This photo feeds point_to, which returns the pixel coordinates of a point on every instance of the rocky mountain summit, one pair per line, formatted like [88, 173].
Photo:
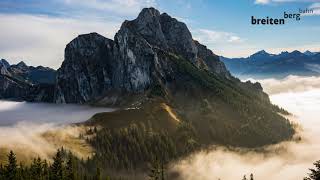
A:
[133, 61]
[22, 82]
[162, 77]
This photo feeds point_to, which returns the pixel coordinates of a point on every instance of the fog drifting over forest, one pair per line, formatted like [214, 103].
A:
[38, 129]
[287, 160]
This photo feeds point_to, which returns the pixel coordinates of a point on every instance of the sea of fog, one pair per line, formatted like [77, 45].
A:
[288, 160]
[12, 113]
[22, 127]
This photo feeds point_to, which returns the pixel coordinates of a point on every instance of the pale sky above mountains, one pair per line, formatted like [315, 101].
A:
[37, 31]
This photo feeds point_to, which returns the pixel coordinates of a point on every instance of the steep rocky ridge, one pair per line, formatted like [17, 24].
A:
[129, 63]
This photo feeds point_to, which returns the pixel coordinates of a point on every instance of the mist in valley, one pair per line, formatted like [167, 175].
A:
[287, 160]
[38, 129]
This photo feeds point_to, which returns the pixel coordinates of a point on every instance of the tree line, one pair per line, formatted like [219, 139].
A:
[66, 166]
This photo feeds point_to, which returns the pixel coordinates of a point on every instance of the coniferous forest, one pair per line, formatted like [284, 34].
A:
[65, 166]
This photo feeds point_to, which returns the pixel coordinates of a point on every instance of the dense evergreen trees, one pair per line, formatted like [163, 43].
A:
[251, 176]
[65, 166]
[11, 167]
[131, 147]
[315, 173]
[245, 177]
[157, 170]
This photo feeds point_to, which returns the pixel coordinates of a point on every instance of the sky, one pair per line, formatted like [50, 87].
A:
[37, 31]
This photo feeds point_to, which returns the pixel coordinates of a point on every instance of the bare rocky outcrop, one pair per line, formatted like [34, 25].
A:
[95, 65]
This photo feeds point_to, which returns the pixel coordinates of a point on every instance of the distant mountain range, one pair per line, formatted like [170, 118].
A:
[22, 82]
[266, 65]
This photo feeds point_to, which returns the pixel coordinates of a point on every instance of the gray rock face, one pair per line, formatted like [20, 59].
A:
[87, 70]
[165, 32]
[211, 60]
[179, 38]
[135, 61]
[95, 66]
[11, 88]
[4, 65]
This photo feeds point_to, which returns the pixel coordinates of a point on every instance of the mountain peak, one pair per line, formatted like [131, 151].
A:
[260, 54]
[296, 52]
[22, 65]
[309, 53]
[161, 31]
[284, 53]
[4, 63]
[152, 12]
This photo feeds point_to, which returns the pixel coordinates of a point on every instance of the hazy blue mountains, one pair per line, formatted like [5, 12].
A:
[266, 65]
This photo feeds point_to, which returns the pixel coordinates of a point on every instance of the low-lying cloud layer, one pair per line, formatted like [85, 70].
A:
[289, 84]
[33, 130]
[287, 160]
[13, 112]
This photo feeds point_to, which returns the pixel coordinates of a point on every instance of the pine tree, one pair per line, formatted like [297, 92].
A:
[98, 174]
[162, 171]
[57, 167]
[155, 171]
[70, 174]
[315, 173]
[45, 168]
[11, 167]
[2, 172]
[251, 176]
[1, 168]
[244, 177]
[21, 172]
[36, 169]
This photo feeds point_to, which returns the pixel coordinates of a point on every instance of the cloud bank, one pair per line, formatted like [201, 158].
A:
[212, 37]
[33, 130]
[290, 84]
[287, 160]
